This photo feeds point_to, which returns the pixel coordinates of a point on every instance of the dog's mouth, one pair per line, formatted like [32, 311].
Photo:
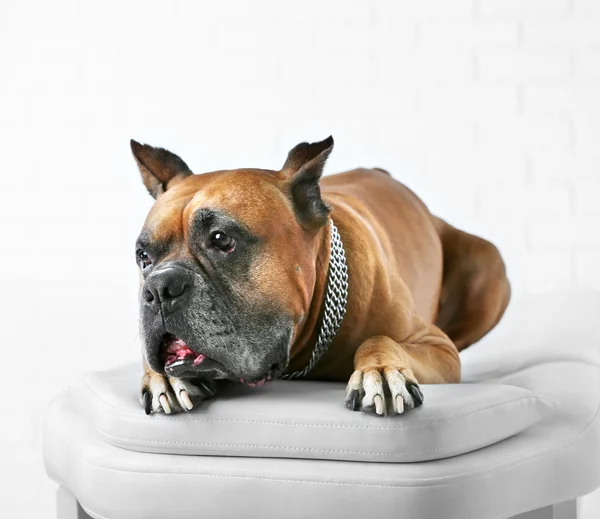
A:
[176, 350]
[180, 360]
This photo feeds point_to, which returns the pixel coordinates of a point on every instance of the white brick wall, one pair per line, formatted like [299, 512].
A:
[488, 109]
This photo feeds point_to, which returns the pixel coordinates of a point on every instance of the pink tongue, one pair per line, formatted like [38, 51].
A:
[259, 383]
[179, 350]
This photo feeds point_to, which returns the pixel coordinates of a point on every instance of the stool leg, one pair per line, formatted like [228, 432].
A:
[566, 510]
[67, 506]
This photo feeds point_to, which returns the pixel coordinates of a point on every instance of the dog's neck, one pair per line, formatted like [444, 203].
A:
[307, 333]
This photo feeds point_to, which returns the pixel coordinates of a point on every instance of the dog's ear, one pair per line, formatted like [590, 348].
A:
[160, 168]
[302, 171]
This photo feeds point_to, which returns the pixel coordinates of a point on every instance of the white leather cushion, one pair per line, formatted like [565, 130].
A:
[303, 419]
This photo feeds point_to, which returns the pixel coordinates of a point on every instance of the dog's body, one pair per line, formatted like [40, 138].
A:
[419, 290]
[397, 256]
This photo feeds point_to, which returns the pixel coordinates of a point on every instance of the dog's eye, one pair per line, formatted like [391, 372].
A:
[144, 259]
[222, 241]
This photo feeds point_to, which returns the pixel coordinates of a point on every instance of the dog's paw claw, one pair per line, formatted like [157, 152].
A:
[379, 405]
[399, 404]
[383, 389]
[353, 400]
[208, 388]
[147, 402]
[164, 402]
[171, 395]
[416, 393]
[185, 399]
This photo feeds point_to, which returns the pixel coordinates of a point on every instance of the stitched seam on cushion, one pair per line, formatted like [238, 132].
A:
[473, 476]
[376, 427]
[262, 478]
[127, 414]
[309, 449]
[337, 426]
[338, 483]
[499, 464]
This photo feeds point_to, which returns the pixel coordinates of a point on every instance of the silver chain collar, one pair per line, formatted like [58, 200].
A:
[336, 299]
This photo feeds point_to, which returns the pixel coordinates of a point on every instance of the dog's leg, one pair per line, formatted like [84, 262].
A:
[387, 373]
[475, 289]
[169, 394]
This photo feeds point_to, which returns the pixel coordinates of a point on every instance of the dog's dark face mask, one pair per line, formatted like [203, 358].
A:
[228, 264]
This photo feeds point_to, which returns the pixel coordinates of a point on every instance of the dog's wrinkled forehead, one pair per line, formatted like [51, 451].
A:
[247, 197]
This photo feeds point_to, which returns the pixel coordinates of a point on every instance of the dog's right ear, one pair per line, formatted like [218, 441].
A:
[302, 171]
[160, 168]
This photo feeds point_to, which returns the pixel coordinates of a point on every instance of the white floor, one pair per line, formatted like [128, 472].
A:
[26, 492]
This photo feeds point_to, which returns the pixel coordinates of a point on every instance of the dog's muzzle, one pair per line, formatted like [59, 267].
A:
[167, 288]
[188, 334]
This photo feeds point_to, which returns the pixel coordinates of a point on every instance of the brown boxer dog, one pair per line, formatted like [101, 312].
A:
[235, 267]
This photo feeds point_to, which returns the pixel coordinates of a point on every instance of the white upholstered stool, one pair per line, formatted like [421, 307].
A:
[520, 436]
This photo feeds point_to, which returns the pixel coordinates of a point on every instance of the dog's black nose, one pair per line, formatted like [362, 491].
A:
[165, 285]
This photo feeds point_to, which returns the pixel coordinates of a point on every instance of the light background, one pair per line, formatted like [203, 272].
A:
[488, 109]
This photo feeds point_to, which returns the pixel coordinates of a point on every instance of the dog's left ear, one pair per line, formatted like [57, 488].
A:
[302, 171]
[160, 168]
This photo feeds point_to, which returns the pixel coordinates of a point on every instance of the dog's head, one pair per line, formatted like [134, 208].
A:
[228, 260]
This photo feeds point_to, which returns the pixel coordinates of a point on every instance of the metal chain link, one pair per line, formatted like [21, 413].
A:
[336, 299]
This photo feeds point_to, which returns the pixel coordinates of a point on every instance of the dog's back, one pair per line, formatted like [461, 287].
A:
[457, 280]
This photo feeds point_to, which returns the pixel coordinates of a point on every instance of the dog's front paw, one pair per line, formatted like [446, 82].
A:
[171, 395]
[374, 390]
